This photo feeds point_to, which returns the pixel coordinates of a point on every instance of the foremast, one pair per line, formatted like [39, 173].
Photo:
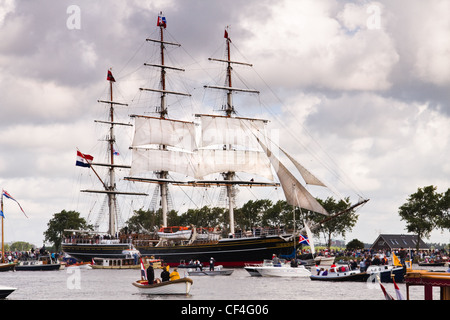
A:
[110, 185]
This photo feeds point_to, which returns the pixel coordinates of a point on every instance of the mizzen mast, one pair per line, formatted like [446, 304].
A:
[229, 112]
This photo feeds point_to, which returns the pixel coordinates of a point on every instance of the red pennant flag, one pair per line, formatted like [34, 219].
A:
[110, 77]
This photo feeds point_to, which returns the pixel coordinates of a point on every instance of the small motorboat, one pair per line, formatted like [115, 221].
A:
[44, 263]
[218, 271]
[349, 275]
[251, 269]
[282, 269]
[179, 286]
[343, 273]
[5, 291]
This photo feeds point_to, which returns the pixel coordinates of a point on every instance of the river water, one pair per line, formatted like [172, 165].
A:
[101, 284]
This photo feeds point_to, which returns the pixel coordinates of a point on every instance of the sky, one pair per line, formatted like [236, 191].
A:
[356, 90]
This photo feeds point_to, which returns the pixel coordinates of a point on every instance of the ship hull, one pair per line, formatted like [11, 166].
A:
[227, 252]
[86, 252]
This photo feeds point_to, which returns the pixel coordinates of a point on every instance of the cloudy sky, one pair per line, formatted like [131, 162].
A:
[360, 88]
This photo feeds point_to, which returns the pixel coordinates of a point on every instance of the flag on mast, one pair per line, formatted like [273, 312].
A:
[162, 22]
[110, 77]
[84, 160]
[7, 195]
[143, 271]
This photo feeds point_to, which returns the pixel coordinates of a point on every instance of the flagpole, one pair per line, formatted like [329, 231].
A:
[3, 239]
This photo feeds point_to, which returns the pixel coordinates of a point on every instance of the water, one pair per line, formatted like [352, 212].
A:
[101, 284]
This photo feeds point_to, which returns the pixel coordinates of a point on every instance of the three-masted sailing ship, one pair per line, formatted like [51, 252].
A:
[227, 144]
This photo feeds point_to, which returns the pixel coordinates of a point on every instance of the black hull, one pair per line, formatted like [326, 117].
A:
[42, 267]
[7, 266]
[227, 252]
[86, 252]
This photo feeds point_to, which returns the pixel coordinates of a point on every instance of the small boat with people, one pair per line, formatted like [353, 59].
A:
[43, 263]
[218, 271]
[179, 286]
[5, 291]
[170, 284]
[383, 273]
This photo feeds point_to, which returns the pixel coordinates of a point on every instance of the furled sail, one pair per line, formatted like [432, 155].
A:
[217, 161]
[158, 131]
[295, 193]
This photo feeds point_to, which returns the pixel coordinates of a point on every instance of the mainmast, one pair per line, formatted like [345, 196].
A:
[163, 112]
[110, 186]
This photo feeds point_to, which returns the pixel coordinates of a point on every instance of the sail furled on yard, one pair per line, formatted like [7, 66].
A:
[295, 193]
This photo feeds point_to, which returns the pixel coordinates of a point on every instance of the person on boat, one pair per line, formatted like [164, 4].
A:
[211, 264]
[276, 261]
[165, 275]
[150, 274]
[174, 275]
[198, 265]
[376, 261]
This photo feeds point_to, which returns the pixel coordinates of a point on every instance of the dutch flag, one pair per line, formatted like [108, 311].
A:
[84, 160]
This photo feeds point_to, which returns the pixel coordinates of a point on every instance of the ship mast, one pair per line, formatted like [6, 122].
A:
[229, 112]
[163, 112]
[110, 186]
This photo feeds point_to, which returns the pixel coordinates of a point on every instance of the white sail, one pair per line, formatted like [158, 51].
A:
[222, 130]
[295, 193]
[147, 160]
[150, 130]
[217, 161]
[306, 175]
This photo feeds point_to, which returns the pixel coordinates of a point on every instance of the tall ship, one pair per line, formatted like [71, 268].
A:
[211, 151]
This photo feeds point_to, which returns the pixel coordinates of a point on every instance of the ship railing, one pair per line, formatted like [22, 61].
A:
[94, 241]
[258, 232]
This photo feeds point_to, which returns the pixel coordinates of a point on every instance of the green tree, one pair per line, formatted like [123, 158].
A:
[251, 213]
[64, 220]
[355, 244]
[20, 246]
[444, 220]
[423, 212]
[338, 225]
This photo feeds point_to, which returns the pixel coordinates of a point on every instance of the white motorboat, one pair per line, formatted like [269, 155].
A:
[179, 286]
[283, 269]
[218, 271]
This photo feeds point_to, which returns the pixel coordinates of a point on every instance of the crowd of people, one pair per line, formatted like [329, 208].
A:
[32, 254]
